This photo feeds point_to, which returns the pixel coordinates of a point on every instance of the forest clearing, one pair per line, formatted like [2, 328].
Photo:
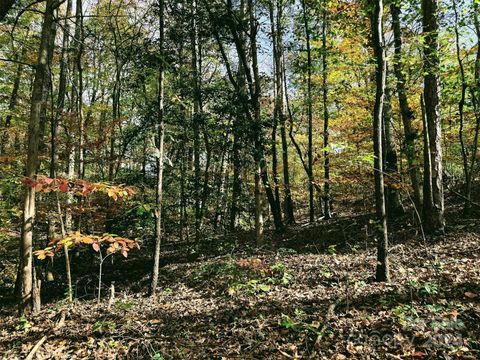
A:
[239, 179]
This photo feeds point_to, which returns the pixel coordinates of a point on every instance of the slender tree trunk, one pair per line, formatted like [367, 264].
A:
[116, 94]
[326, 143]
[433, 210]
[311, 203]
[282, 111]
[393, 204]
[259, 151]
[206, 176]
[183, 202]
[275, 176]
[251, 105]
[258, 211]
[405, 110]
[382, 271]
[222, 179]
[197, 115]
[60, 108]
[79, 37]
[38, 99]
[236, 181]
[427, 176]
[160, 135]
[461, 104]
[475, 96]
[62, 89]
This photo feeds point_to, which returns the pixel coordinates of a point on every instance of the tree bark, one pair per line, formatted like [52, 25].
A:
[327, 211]
[382, 271]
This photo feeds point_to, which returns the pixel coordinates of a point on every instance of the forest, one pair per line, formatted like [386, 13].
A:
[239, 179]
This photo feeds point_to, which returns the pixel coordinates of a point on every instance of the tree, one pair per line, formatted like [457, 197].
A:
[160, 132]
[469, 153]
[433, 202]
[326, 143]
[405, 110]
[281, 105]
[311, 204]
[382, 271]
[38, 99]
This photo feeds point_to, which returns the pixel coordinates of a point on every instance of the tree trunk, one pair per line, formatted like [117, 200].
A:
[196, 116]
[326, 143]
[275, 177]
[433, 210]
[79, 37]
[393, 204]
[405, 110]
[259, 151]
[311, 203]
[236, 181]
[160, 138]
[62, 89]
[38, 99]
[475, 96]
[251, 104]
[281, 110]
[382, 271]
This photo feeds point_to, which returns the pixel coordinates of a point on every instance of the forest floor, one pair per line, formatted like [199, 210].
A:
[308, 294]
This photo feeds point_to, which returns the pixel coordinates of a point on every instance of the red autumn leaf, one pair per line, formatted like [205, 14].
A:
[125, 253]
[63, 187]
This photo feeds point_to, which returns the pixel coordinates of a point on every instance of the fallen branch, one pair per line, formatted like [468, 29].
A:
[36, 347]
[465, 198]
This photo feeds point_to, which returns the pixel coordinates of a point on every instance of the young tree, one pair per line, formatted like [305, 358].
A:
[38, 99]
[326, 115]
[382, 271]
[469, 153]
[281, 108]
[311, 204]
[160, 132]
